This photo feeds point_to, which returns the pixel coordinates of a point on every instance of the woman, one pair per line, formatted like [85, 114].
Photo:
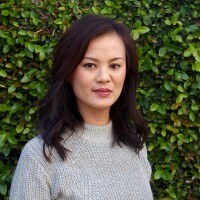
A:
[91, 141]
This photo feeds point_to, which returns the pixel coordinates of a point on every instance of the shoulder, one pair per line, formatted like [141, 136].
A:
[143, 151]
[33, 151]
[144, 161]
[34, 146]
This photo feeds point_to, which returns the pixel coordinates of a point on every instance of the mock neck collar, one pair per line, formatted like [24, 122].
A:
[97, 134]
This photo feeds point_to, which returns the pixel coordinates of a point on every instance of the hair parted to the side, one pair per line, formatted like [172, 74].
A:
[58, 112]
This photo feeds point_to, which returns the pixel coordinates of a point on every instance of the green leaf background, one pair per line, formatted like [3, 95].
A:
[167, 35]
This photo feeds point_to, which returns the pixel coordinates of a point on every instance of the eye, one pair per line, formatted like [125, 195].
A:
[89, 65]
[114, 66]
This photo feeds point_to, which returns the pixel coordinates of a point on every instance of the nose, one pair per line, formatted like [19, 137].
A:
[103, 75]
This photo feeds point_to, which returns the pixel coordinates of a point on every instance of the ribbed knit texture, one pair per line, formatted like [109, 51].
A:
[94, 170]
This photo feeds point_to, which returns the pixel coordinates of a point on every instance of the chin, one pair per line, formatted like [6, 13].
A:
[103, 107]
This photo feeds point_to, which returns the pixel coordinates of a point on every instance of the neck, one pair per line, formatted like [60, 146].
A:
[97, 117]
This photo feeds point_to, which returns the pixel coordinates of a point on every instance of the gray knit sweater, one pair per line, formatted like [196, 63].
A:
[94, 170]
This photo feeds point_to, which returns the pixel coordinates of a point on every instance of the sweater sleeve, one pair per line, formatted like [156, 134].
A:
[145, 163]
[30, 181]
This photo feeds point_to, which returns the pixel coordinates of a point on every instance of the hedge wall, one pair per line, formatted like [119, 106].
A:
[168, 39]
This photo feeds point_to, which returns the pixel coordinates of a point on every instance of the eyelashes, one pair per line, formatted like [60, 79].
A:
[92, 65]
[89, 65]
[115, 66]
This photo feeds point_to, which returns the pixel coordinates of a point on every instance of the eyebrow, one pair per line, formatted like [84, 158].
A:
[94, 59]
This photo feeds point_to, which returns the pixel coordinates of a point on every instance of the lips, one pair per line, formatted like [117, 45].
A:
[103, 92]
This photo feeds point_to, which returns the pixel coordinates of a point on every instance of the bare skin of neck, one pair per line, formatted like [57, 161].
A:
[96, 117]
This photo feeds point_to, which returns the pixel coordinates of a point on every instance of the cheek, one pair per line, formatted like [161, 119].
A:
[79, 81]
[121, 78]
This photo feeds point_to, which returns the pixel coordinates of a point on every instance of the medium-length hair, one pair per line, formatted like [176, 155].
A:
[58, 110]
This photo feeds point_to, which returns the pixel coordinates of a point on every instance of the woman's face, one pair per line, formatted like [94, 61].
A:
[98, 80]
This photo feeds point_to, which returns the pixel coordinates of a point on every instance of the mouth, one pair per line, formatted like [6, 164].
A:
[103, 92]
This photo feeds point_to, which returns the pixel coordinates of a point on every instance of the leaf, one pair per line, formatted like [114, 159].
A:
[135, 34]
[108, 3]
[6, 150]
[155, 69]
[192, 116]
[137, 24]
[194, 136]
[22, 32]
[12, 139]
[35, 21]
[38, 48]
[172, 129]
[154, 107]
[168, 22]
[173, 139]
[162, 110]
[19, 128]
[9, 65]
[4, 34]
[158, 174]
[29, 54]
[31, 47]
[172, 195]
[26, 130]
[5, 13]
[25, 79]
[194, 106]
[58, 21]
[166, 175]
[196, 54]
[62, 8]
[16, 106]
[173, 117]
[3, 189]
[191, 28]
[40, 88]
[30, 33]
[6, 48]
[19, 95]
[180, 88]
[32, 14]
[11, 89]
[95, 10]
[196, 65]
[168, 86]
[178, 38]
[32, 110]
[150, 147]
[180, 97]
[10, 41]
[4, 107]
[19, 63]
[162, 51]
[174, 48]
[42, 56]
[3, 73]
[2, 139]
[163, 133]
[188, 52]
[190, 37]
[143, 29]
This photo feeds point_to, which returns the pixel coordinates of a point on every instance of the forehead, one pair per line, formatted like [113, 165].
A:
[110, 42]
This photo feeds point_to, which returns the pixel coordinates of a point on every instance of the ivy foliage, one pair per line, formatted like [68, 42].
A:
[168, 40]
